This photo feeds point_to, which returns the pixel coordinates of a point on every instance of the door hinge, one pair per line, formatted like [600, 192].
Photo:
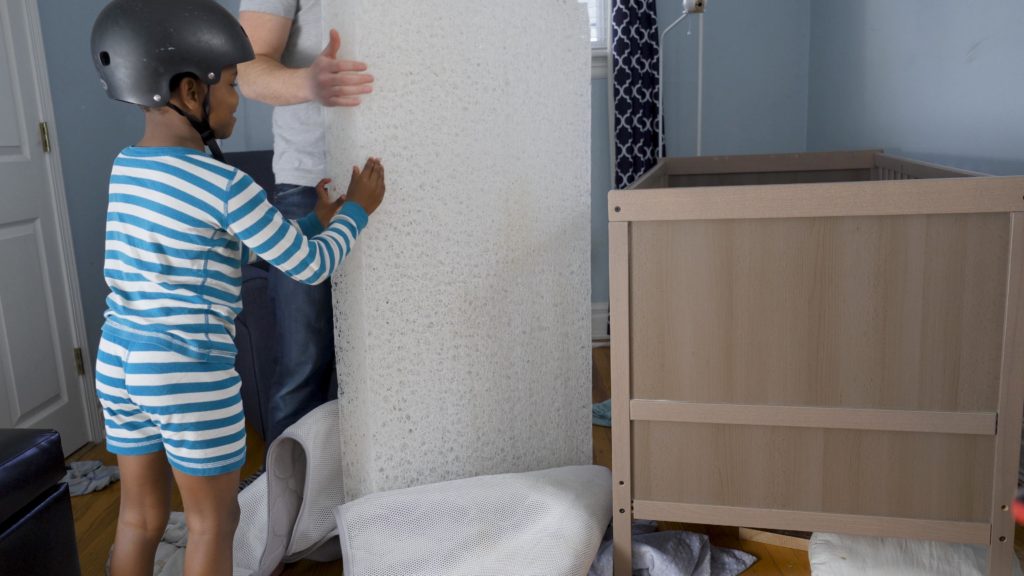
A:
[44, 135]
[79, 362]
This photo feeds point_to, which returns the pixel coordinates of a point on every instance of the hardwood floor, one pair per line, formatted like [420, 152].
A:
[96, 518]
[96, 514]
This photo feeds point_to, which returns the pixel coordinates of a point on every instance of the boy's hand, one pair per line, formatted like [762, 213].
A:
[367, 185]
[337, 82]
[325, 207]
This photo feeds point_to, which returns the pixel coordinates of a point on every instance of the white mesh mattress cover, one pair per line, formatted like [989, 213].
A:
[288, 512]
[546, 523]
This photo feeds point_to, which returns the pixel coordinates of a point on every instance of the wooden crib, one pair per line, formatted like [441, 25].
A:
[818, 342]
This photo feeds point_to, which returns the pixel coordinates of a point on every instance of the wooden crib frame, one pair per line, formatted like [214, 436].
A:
[818, 342]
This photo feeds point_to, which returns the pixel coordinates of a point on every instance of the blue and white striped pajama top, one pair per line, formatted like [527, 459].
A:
[180, 224]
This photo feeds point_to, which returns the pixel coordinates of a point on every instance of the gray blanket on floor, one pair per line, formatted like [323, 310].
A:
[673, 554]
[170, 554]
[89, 476]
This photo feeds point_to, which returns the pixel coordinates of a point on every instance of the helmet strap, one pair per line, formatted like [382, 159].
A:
[202, 126]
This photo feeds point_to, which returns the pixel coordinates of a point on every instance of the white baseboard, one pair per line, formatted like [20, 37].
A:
[599, 321]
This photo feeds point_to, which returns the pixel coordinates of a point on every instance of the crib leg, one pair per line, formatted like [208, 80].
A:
[622, 545]
[1000, 559]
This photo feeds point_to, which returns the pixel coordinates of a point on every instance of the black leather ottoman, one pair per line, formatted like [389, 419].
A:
[37, 529]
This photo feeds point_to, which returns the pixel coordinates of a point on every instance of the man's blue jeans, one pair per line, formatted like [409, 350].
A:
[305, 330]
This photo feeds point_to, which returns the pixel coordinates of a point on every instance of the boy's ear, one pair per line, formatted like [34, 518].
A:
[191, 93]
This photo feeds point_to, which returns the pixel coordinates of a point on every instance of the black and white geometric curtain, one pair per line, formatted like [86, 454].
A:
[635, 54]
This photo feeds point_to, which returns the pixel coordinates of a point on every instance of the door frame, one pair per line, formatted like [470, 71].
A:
[94, 416]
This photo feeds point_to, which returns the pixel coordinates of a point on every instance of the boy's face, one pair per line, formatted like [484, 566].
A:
[224, 103]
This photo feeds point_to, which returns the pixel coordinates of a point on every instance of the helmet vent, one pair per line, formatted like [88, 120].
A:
[105, 58]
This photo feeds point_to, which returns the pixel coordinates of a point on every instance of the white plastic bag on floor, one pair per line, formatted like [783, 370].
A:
[546, 523]
[844, 555]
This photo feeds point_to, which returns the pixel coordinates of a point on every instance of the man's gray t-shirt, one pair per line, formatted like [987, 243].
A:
[299, 141]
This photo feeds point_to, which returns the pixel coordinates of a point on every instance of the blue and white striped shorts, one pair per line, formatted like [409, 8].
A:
[154, 399]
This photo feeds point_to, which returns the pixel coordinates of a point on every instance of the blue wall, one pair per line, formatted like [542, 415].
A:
[600, 184]
[940, 81]
[253, 131]
[755, 77]
[91, 129]
[755, 94]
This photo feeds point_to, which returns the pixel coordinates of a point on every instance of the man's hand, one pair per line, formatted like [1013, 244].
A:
[337, 82]
[325, 207]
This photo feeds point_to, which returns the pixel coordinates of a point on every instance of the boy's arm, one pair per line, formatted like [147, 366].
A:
[282, 243]
[328, 80]
[310, 226]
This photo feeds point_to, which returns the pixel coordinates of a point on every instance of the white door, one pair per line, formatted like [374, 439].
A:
[40, 381]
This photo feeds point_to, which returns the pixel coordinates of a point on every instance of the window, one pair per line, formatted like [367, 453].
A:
[598, 18]
[598, 36]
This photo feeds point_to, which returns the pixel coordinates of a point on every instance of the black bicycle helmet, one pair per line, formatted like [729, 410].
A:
[139, 46]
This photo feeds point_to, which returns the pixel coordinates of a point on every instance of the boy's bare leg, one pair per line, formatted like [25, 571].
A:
[145, 508]
[211, 513]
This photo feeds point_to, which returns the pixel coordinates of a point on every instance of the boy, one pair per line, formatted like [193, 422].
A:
[180, 224]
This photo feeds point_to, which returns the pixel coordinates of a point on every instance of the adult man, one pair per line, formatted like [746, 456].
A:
[295, 73]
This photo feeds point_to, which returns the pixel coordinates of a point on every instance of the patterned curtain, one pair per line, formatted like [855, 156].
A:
[635, 57]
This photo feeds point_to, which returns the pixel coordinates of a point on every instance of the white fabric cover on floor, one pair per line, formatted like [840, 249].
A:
[844, 555]
[547, 523]
[288, 512]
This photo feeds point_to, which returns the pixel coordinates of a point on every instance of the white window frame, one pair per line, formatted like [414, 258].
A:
[599, 47]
